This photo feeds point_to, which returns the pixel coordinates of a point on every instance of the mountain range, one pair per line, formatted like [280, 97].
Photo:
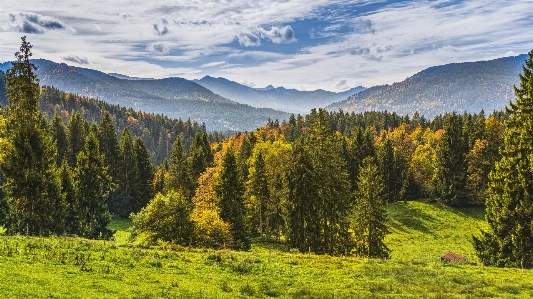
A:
[225, 105]
[173, 97]
[468, 86]
[280, 98]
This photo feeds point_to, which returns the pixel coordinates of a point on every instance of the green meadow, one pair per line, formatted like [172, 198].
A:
[421, 233]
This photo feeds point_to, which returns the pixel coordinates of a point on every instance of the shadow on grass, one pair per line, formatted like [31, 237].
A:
[406, 215]
[269, 245]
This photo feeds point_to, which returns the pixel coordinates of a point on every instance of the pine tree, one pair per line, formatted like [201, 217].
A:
[333, 187]
[77, 128]
[109, 145]
[370, 224]
[179, 179]
[386, 160]
[450, 166]
[93, 185]
[201, 155]
[125, 196]
[145, 169]
[230, 191]
[258, 190]
[302, 205]
[32, 183]
[72, 208]
[509, 212]
[59, 136]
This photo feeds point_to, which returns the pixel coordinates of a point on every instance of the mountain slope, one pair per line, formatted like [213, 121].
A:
[469, 86]
[290, 100]
[173, 97]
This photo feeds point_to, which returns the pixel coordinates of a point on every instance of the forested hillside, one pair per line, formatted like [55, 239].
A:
[157, 131]
[173, 97]
[469, 86]
[290, 100]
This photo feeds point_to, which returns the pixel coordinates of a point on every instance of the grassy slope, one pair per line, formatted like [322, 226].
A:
[421, 233]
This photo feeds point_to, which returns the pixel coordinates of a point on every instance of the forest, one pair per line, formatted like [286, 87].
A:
[322, 183]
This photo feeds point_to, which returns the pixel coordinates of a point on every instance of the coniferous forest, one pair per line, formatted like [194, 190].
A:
[321, 183]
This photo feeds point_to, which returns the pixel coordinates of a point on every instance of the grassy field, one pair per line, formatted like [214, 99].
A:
[421, 233]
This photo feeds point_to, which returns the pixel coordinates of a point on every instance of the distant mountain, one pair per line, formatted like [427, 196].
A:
[469, 86]
[173, 97]
[290, 100]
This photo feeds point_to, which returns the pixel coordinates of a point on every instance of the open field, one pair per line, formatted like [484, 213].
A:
[421, 233]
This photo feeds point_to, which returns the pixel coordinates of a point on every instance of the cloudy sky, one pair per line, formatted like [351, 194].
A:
[303, 44]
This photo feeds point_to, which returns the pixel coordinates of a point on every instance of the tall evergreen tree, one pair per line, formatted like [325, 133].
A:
[230, 191]
[201, 155]
[509, 212]
[72, 207]
[450, 166]
[60, 137]
[386, 160]
[32, 183]
[303, 226]
[179, 178]
[258, 190]
[93, 185]
[128, 178]
[77, 131]
[370, 224]
[333, 188]
[145, 190]
[109, 144]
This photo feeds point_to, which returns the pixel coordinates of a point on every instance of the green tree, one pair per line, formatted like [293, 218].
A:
[60, 137]
[509, 212]
[333, 188]
[109, 145]
[145, 169]
[166, 217]
[72, 207]
[230, 191]
[93, 185]
[386, 160]
[450, 166]
[32, 183]
[179, 178]
[128, 178]
[258, 190]
[370, 214]
[201, 155]
[302, 205]
[77, 128]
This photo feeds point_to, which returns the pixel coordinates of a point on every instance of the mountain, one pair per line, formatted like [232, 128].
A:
[468, 86]
[290, 100]
[173, 97]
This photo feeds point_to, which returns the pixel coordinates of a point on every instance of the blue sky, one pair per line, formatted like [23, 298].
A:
[304, 44]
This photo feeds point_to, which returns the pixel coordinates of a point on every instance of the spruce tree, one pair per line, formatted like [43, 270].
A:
[128, 177]
[32, 183]
[77, 131]
[333, 188]
[258, 190]
[370, 214]
[386, 160]
[230, 191]
[179, 178]
[60, 137]
[201, 155]
[93, 185]
[509, 212]
[72, 207]
[109, 144]
[145, 170]
[450, 166]
[302, 205]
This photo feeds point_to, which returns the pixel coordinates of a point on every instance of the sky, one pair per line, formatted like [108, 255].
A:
[304, 44]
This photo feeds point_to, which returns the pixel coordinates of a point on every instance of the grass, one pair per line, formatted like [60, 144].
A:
[420, 233]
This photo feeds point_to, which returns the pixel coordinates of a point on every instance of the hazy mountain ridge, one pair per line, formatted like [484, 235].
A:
[468, 86]
[173, 97]
[280, 98]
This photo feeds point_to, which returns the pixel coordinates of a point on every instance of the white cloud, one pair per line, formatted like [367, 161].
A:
[76, 59]
[283, 35]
